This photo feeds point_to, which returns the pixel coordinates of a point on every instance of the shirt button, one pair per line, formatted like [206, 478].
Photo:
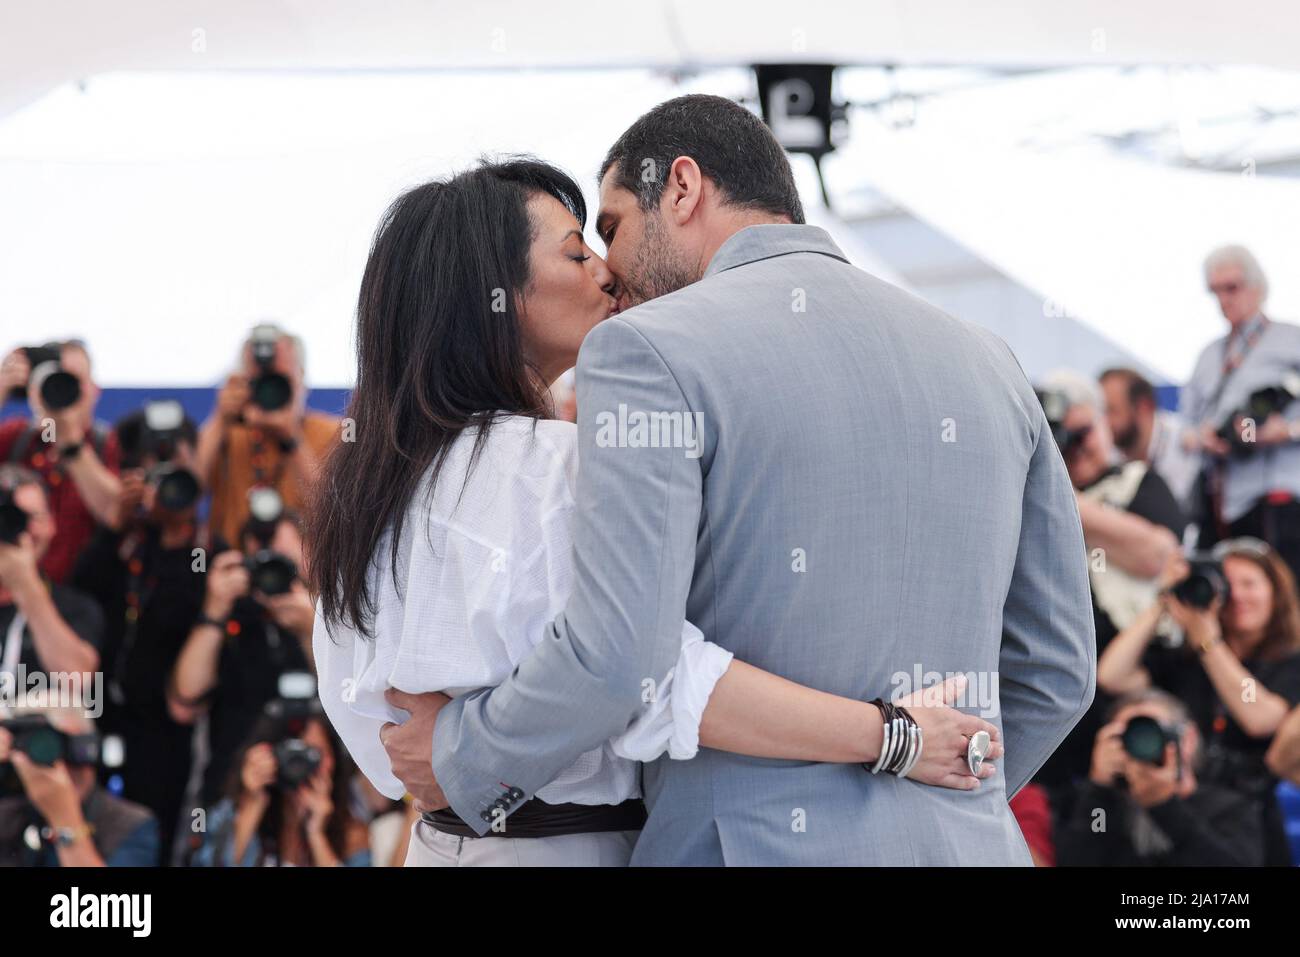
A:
[487, 817]
[516, 794]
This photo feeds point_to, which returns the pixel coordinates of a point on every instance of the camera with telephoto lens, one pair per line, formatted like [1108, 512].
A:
[1055, 407]
[1145, 739]
[1261, 404]
[13, 520]
[269, 390]
[296, 760]
[57, 388]
[45, 744]
[1204, 583]
[265, 509]
[177, 487]
[270, 572]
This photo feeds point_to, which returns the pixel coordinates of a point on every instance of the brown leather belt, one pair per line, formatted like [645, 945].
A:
[536, 818]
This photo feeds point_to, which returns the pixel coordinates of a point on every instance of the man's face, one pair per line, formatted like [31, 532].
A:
[1237, 300]
[1122, 416]
[641, 251]
[40, 521]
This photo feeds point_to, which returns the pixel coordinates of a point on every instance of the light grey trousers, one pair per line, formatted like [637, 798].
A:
[431, 848]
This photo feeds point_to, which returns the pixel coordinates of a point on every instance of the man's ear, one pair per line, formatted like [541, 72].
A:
[683, 190]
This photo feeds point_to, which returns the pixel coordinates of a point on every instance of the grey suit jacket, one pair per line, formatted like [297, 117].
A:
[874, 497]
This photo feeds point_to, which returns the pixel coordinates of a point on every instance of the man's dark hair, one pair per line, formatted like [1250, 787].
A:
[732, 146]
[1139, 388]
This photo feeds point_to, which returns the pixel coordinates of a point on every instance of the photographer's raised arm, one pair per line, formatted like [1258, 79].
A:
[58, 647]
[100, 489]
[195, 674]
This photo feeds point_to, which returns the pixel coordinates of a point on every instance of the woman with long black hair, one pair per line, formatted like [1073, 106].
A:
[440, 542]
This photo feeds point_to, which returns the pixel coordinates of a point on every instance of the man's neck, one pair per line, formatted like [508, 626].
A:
[1238, 328]
[730, 222]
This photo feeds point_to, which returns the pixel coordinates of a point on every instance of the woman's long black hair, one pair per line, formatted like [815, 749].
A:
[439, 349]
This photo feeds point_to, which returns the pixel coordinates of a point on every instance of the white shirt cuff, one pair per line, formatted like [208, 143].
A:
[671, 720]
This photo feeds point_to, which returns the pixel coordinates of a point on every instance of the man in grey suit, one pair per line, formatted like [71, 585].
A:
[832, 479]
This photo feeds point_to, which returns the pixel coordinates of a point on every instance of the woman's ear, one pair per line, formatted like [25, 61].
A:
[683, 190]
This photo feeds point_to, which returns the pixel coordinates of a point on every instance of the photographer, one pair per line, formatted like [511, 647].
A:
[75, 457]
[60, 817]
[1143, 432]
[288, 802]
[1241, 404]
[1131, 525]
[1143, 804]
[255, 625]
[1238, 671]
[44, 627]
[144, 575]
[261, 433]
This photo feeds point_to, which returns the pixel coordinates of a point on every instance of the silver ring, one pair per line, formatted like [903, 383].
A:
[976, 749]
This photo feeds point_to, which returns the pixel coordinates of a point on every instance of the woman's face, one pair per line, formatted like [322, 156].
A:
[1252, 595]
[569, 292]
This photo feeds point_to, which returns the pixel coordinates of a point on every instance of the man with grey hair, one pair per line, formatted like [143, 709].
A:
[1243, 406]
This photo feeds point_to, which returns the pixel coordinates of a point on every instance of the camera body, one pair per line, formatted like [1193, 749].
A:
[1145, 739]
[296, 760]
[1205, 582]
[270, 572]
[176, 487]
[269, 390]
[45, 744]
[58, 388]
[1261, 404]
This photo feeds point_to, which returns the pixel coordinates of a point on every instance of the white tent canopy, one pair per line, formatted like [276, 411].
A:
[181, 192]
[43, 45]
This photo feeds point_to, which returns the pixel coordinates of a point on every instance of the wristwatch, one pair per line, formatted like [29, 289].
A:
[219, 624]
[1205, 645]
[65, 837]
[70, 451]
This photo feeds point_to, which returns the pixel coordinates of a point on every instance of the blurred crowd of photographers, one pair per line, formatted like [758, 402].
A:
[1192, 522]
[159, 704]
[161, 561]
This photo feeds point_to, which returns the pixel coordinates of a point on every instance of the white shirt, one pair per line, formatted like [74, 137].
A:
[483, 571]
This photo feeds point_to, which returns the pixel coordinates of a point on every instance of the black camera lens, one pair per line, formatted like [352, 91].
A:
[59, 390]
[1145, 738]
[271, 573]
[178, 488]
[1204, 583]
[271, 391]
[296, 762]
[13, 520]
[44, 745]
